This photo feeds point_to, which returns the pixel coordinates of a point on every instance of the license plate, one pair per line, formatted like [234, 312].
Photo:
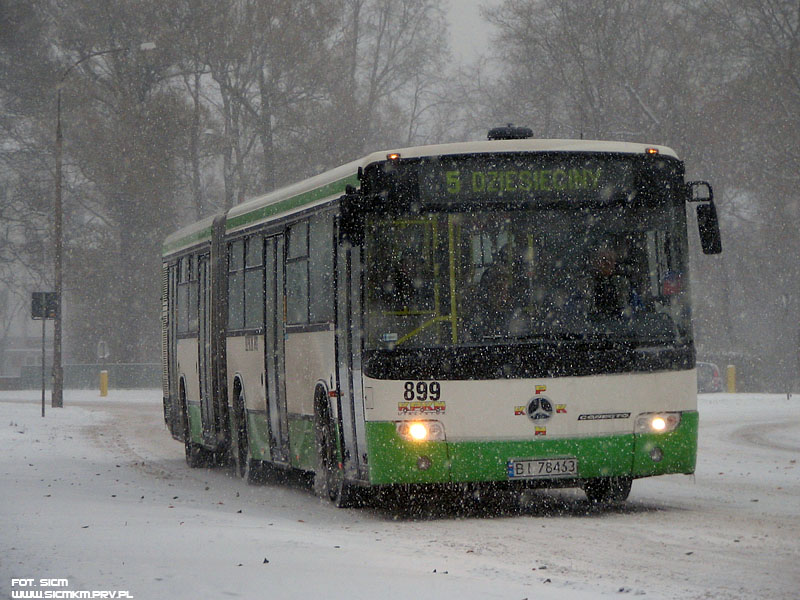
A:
[542, 467]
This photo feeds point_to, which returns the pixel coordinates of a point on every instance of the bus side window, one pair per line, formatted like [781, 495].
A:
[236, 285]
[297, 275]
[254, 283]
[193, 294]
[320, 269]
[183, 295]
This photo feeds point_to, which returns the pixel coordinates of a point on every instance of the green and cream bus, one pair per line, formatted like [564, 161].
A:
[504, 314]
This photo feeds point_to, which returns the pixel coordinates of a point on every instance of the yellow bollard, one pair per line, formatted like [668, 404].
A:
[104, 383]
[731, 379]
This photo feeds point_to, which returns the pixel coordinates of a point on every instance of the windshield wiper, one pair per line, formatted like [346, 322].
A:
[537, 337]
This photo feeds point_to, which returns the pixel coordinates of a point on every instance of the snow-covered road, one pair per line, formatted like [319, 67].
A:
[99, 495]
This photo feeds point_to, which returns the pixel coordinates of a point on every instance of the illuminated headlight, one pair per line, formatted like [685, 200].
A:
[657, 422]
[421, 431]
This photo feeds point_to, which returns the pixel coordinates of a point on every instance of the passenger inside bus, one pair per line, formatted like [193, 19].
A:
[501, 296]
[528, 281]
[407, 287]
[611, 288]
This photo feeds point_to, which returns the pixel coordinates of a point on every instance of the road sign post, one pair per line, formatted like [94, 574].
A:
[44, 306]
[44, 362]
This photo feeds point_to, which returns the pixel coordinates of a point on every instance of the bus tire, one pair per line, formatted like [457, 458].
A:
[329, 479]
[607, 489]
[247, 467]
[196, 455]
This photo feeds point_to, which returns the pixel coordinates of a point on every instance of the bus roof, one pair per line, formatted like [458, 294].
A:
[189, 236]
[526, 145]
[331, 184]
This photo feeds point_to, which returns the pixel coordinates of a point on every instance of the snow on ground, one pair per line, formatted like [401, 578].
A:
[98, 494]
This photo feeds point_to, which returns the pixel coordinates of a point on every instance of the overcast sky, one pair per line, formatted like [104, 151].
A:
[469, 33]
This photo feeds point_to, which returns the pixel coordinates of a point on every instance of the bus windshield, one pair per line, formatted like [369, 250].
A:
[534, 275]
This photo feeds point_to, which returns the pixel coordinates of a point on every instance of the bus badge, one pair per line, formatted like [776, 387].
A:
[421, 407]
[539, 408]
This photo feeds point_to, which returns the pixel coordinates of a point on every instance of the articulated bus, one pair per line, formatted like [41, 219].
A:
[505, 314]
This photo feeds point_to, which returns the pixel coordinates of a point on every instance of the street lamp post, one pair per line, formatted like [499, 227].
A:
[57, 400]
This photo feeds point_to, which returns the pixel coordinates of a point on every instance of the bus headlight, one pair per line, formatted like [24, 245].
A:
[421, 431]
[657, 422]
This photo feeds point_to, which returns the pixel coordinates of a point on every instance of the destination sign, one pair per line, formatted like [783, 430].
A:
[493, 178]
[526, 180]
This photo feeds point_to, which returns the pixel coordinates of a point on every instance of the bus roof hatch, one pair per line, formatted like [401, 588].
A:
[509, 132]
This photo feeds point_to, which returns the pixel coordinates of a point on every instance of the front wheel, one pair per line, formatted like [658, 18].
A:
[608, 489]
[329, 480]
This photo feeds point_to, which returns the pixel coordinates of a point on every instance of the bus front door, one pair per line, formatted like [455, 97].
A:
[274, 348]
[350, 407]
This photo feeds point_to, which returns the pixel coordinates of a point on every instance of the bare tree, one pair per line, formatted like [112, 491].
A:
[716, 79]
[758, 42]
[25, 167]
[255, 93]
[391, 56]
[265, 61]
[597, 68]
[123, 130]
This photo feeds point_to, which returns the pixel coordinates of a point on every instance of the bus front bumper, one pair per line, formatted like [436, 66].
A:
[394, 460]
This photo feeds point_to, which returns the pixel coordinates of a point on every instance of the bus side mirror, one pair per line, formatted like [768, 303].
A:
[351, 221]
[707, 221]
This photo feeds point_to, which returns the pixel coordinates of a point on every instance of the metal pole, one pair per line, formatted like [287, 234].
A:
[44, 361]
[57, 400]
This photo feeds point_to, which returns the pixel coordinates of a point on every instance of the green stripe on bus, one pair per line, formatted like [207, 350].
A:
[204, 235]
[679, 448]
[195, 423]
[302, 442]
[258, 433]
[336, 187]
[301, 439]
[393, 460]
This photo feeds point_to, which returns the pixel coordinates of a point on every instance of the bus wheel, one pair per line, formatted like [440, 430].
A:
[247, 467]
[329, 480]
[608, 489]
[195, 454]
